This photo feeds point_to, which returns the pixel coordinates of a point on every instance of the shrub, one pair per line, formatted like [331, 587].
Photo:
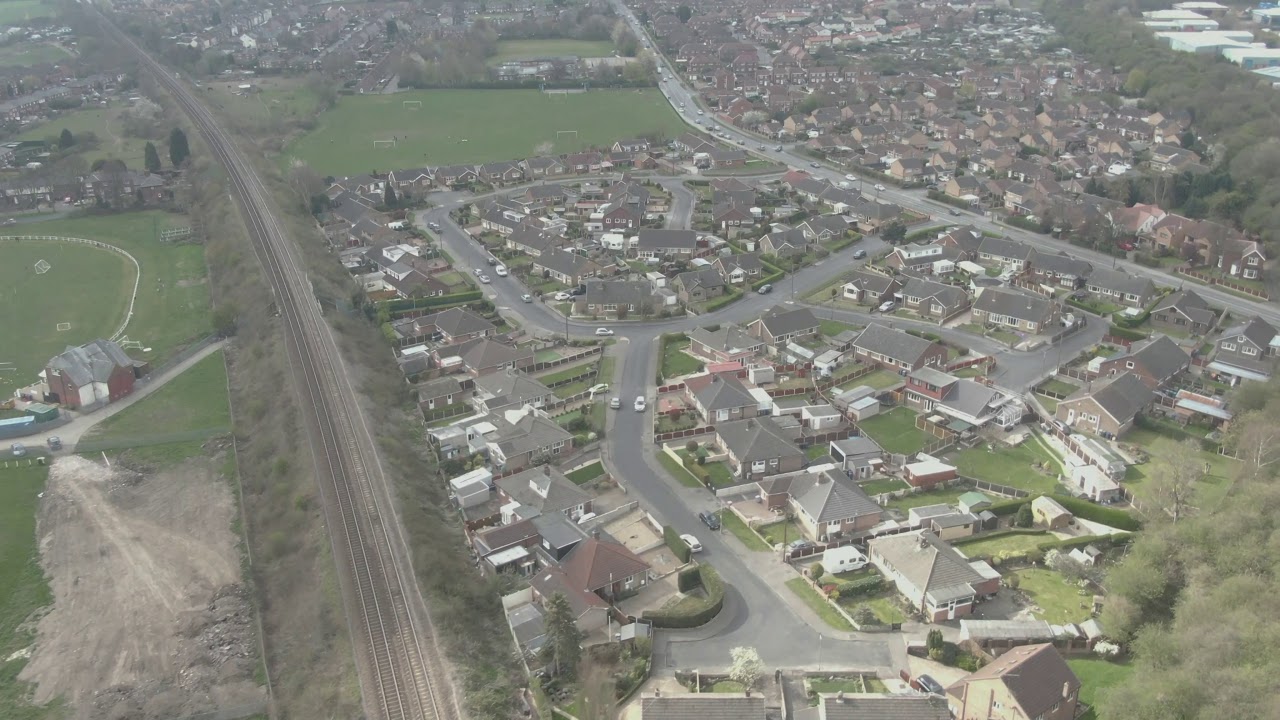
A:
[693, 614]
[816, 571]
[1025, 518]
[968, 662]
[690, 447]
[689, 579]
[1012, 580]
[675, 544]
[863, 615]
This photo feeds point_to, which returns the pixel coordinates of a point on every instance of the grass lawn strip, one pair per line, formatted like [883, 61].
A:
[473, 126]
[933, 497]
[677, 471]
[878, 380]
[1010, 466]
[675, 362]
[895, 431]
[1003, 546]
[569, 371]
[1059, 601]
[24, 589]
[818, 604]
[779, 532]
[883, 485]
[1096, 677]
[586, 473]
[886, 609]
[734, 524]
[1059, 387]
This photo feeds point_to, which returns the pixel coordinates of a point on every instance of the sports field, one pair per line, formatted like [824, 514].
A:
[89, 289]
[475, 126]
[16, 12]
[533, 49]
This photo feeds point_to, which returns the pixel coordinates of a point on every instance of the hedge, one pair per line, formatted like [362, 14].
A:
[843, 243]
[869, 585]
[1093, 512]
[948, 200]
[694, 614]
[717, 303]
[1025, 224]
[675, 544]
[775, 274]
[929, 232]
[689, 579]
[1125, 333]
[430, 302]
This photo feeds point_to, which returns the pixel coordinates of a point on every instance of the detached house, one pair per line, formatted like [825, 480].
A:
[729, 343]
[566, 267]
[530, 439]
[651, 243]
[453, 326]
[828, 505]
[615, 298]
[739, 269]
[870, 288]
[496, 392]
[542, 491]
[897, 350]
[1020, 311]
[699, 285]
[934, 300]
[1246, 352]
[1156, 362]
[1121, 287]
[1107, 406]
[96, 372]
[1009, 253]
[779, 325]
[935, 579]
[1184, 310]
[721, 398]
[758, 447]
[1031, 681]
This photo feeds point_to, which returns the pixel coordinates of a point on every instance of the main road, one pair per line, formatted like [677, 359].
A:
[399, 664]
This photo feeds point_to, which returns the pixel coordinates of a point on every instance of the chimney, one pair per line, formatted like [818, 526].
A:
[595, 533]
[546, 470]
[657, 692]
[840, 696]
[1066, 690]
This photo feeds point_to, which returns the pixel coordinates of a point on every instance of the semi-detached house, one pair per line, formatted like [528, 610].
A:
[1014, 309]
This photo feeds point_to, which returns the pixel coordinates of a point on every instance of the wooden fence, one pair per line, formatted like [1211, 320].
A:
[1224, 282]
[661, 438]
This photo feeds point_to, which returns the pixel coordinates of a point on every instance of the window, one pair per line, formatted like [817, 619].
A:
[1249, 350]
[1253, 260]
[773, 462]
[1229, 346]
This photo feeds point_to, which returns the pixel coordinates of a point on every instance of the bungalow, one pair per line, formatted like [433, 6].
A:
[699, 285]
[732, 216]
[541, 491]
[934, 578]
[1059, 270]
[1121, 287]
[721, 397]
[653, 243]
[1009, 253]
[785, 243]
[1184, 311]
[532, 242]
[1020, 311]
[496, 392]
[1156, 362]
[605, 568]
[615, 298]
[870, 288]
[1108, 406]
[739, 269]
[565, 267]
[481, 356]
[897, 350]
[758, 447]
[934, 300]
[503, 222]
[780, 325]
[1246, 352]
[532, 438]
[453, 326]
[438, 393]
[828, 505]
[728, 343]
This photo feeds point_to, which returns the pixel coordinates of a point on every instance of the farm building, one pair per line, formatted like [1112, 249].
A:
[98, 372]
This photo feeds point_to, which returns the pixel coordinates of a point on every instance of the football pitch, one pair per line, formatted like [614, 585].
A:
[476, 126]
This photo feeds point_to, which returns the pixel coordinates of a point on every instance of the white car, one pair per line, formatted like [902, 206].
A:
[501, 270]
[526, 297]
[562, 296]
[701, 113]
[478, 272]
[601, 388]
[604, 331]
[692, 542]
[879, 186]
[850, 176]
[485, 279]
[615, 403]
[886, 306]
[639, 403]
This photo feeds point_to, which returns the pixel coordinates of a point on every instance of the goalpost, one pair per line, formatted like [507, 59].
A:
[384, 143]
[412, 104]
[566, 133]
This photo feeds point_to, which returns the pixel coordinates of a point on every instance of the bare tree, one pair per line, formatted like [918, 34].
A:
[1254, 437]
[1177, 473]
[596, 691]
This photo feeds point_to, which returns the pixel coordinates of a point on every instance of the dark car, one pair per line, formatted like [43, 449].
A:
[859, 254]
[710, 520]
[765, 289]
[929, 685]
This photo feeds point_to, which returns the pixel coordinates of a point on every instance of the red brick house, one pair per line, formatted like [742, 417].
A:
[97, 372]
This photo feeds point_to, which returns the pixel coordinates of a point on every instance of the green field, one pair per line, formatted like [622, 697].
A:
[171, 310]
[534, 49]
[26, 54]
[895, 431]
[14, 12]
[35, 304]
[475, 126]
[170, 424]
[273, 97]
[105, 124]
[1012, 466]
[23, 588]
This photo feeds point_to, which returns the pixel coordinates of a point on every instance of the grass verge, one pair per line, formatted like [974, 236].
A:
[818, 604]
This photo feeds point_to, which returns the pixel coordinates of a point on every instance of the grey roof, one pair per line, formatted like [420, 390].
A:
[728, 338]
[1161, 357]
[1020, 305]
[1121, 282]
[562, 261]
[793, 237]
[1006, 630]
[831, 497]
[652, 239]
[948, 295]
[534, 239]
[1189, 304]
[749, 262]
[528, 435]
[926, 562]
[480, 353]
[1004, 248]
[858, 445]
[884, 707]
[1062, 264]
[971, 398]
[440, 387]
[724, 392]
[92, 362]
[756, 439]
[872, 281]
[702, 706]
[1256, 330]
[457, 321]
[707, 277]
[895, 344]
[510, 388]
[1121, 396]
[617, 292]
[544, 489]
[558, 531]
[780, 320]
[933, 376]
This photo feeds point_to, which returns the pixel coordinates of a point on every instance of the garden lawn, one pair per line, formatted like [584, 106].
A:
[886, 609]
[895, 431]
[883, 485]
[1059, 601]
[1003, 546]
[543, 356]
[27, 54]
[586, 473]
[734, 524]
[850, 686]
[509, 50]
[878, 380]
[1061, 387]
[817, 450]
[1209, 491]
[1010, 466]
[23, 588]
[1005, 336]
[105, 124]
[1096, 677]
[727, 686]
[776, 533]
[677, 471]
[818, 604]
[474, 126]
[566, 372]
[932, 497]
[676, 362]
[831, 328]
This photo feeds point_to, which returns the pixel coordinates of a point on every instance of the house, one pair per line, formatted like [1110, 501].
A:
[533, 437]
[702, 706]
[590, 611]
[541, 491]
[935, 579]
[780, 325]
[859, 455]
[615, 298]
[1030, 681]
[863, 706]
[934, 300]
[439, 393]
[758, 447]
[1184, 311]
[727, 344]
[909, 170]
[565, 267]
[931, 390]
[721, 397]
[453, 326]
[1155, 361]
[1009, 253]
[95, 373]
[605, 567]
[654, 243]
[512, 389]
[1120, 287]
[732, 216]
[699, 285]
[532, 242]
[1059, 270]
[1246, 352]
[1015, 309]
[870, 288]
[1106, 407]
[897, 350]
[739, 269]
[828, 505]
[785, 243]
[924, 257]
[481, 356]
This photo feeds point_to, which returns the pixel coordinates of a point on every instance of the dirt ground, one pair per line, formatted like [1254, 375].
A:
[149, 618]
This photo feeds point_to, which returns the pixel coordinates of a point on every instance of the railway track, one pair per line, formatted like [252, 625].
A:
[400, 668]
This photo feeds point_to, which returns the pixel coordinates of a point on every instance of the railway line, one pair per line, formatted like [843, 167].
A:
[402, 675]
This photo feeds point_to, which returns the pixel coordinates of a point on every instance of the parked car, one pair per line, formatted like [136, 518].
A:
[777, 148]
[615, 403]
[526, 297]
[879, 186]
[580, 290]
[599, 388]
[501, 270]
[859, 254]
[800, 544]
[485, 279]
[562, 296]
[491, 260]
[815, 165]
[886, 306]
[765, 289]
[55, 443]
[11, 221]
[478, 272]
[709, 519]
[850, 176]
[604, 331]
[760, 146]
[692, 542]
[928, 684]
[18, 449]
[954, 211]
[434, 225]
[639, 403]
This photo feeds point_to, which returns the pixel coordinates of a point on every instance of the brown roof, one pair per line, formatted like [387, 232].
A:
[1035, 676]
[596, 563]
[718, 706]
